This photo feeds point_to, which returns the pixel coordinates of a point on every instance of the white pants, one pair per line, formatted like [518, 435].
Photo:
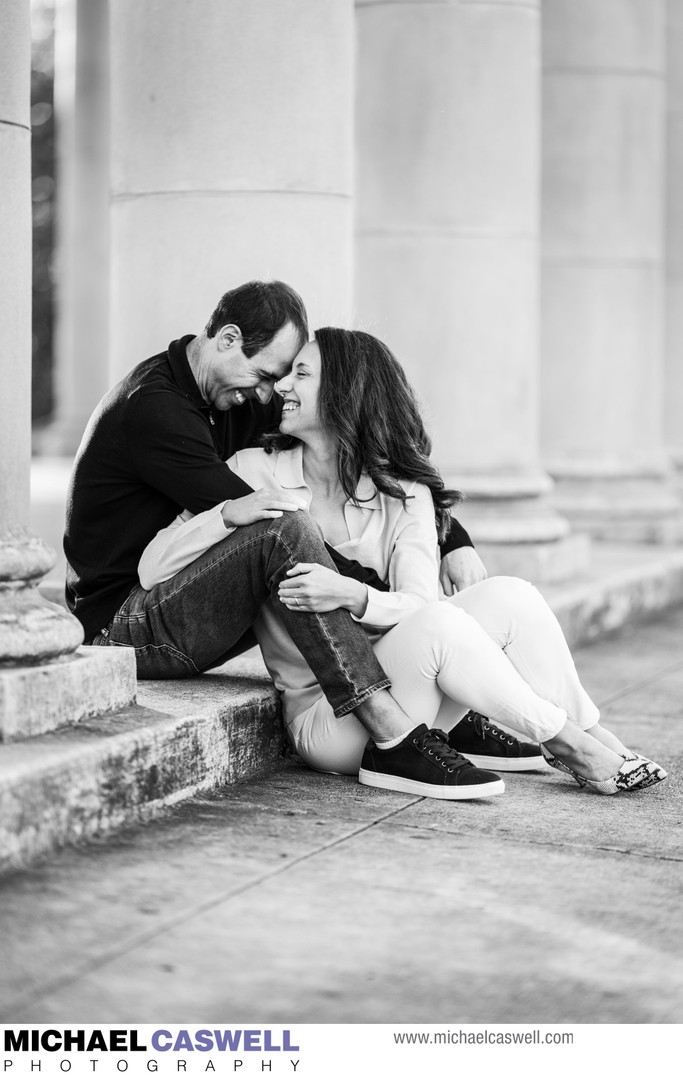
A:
[496, 648]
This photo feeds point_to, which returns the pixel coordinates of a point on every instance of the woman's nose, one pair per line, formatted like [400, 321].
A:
[284, 384]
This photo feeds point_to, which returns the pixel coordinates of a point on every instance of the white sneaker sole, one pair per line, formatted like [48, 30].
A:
[437, 792]
[508, 765]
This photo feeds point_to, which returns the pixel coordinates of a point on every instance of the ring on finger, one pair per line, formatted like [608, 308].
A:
[297, 600]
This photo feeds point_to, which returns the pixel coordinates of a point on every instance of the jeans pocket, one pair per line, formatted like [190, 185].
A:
[161, 662]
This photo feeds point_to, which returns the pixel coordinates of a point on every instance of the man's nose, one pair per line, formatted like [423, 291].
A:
[264, 392]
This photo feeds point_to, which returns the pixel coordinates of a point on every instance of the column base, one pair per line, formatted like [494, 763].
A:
[538, 562]
[677, 459]
[47, 680]
[515, 528]
[40, 698]
[32, 631]
[642, 508]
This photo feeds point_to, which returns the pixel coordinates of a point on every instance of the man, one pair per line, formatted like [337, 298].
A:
[156, 443]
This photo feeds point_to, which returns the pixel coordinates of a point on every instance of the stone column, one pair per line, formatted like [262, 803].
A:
[673, 375]
[82, 257]
[447, 251]
[602, 346]
[30, 630]
[41, 683]
[231, 159]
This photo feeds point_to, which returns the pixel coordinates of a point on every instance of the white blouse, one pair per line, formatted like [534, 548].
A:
[399, 542]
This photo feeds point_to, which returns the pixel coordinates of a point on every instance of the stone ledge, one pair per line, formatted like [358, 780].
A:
[81, 782]
[40, 698]
[623, 584]
[542, 563]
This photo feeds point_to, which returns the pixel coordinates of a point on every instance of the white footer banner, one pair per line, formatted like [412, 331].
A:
[334, 1049]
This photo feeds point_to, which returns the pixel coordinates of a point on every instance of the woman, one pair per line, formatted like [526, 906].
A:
[353, 448]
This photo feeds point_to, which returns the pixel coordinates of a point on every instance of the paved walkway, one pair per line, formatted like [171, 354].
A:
[302, 898]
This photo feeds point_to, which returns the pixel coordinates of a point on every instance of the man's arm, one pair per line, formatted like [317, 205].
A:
[461, 565]
[456, 538]
[175, 454]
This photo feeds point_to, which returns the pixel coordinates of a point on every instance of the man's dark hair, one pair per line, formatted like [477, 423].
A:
[259, 309]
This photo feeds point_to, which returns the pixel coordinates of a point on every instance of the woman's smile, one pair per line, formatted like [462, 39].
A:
[299, 390]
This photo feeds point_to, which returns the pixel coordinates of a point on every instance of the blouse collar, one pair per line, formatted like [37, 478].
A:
[289, 473]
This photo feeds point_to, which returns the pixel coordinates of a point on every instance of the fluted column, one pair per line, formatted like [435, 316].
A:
[673, 373]
[82, 255]
[231, 159]
[602, 343]
[42, 682]
[447, 251]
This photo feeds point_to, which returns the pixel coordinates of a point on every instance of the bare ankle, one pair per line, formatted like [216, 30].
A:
[588, 756]
[383, 718]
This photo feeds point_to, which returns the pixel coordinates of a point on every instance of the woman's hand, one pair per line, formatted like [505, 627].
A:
[312, 588]
[268, 503]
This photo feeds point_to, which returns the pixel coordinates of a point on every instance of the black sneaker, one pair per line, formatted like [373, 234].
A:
[485, 744]
[425, 765]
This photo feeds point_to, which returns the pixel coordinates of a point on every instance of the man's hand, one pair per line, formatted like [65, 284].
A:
[266, 503]
[312, 588]
[460, 569]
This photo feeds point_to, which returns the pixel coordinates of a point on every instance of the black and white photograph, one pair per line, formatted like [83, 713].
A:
[341, 536]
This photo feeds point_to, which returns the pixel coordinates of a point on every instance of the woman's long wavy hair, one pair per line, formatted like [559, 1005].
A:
[367, 405]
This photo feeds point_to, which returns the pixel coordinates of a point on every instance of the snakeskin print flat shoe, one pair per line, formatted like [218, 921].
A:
[561, 766]
[635, 772]
[655, 774]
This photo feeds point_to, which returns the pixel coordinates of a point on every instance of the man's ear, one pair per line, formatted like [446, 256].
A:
[228, 335]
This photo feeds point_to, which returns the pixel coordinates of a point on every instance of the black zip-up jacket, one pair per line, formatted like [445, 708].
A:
[152, 447]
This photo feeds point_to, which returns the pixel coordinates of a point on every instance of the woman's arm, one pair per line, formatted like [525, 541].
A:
[177, 545]
[188, 536]
[413, 567]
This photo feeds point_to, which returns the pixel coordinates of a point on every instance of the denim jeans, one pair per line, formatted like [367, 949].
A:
[195, 620]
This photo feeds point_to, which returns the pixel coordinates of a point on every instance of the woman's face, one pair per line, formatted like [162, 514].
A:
[299, 390]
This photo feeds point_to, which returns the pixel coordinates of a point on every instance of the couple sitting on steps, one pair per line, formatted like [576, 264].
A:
[312, 516]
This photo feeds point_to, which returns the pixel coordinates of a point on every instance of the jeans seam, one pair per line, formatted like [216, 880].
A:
[357, 698]
[256, 539]
[347, 707]
[173, 650]
[323, 627]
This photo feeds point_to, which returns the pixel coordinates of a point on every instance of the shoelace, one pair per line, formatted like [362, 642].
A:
[482, 727]
[435, 742]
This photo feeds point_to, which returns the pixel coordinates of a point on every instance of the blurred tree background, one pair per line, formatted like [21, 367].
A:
[43, 196]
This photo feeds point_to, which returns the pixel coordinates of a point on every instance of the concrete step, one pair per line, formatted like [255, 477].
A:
[41, 698]
[622, 584]
[191, 735]
[126, 766]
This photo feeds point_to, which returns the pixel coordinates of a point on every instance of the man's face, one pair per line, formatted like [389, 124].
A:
[236, 378]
